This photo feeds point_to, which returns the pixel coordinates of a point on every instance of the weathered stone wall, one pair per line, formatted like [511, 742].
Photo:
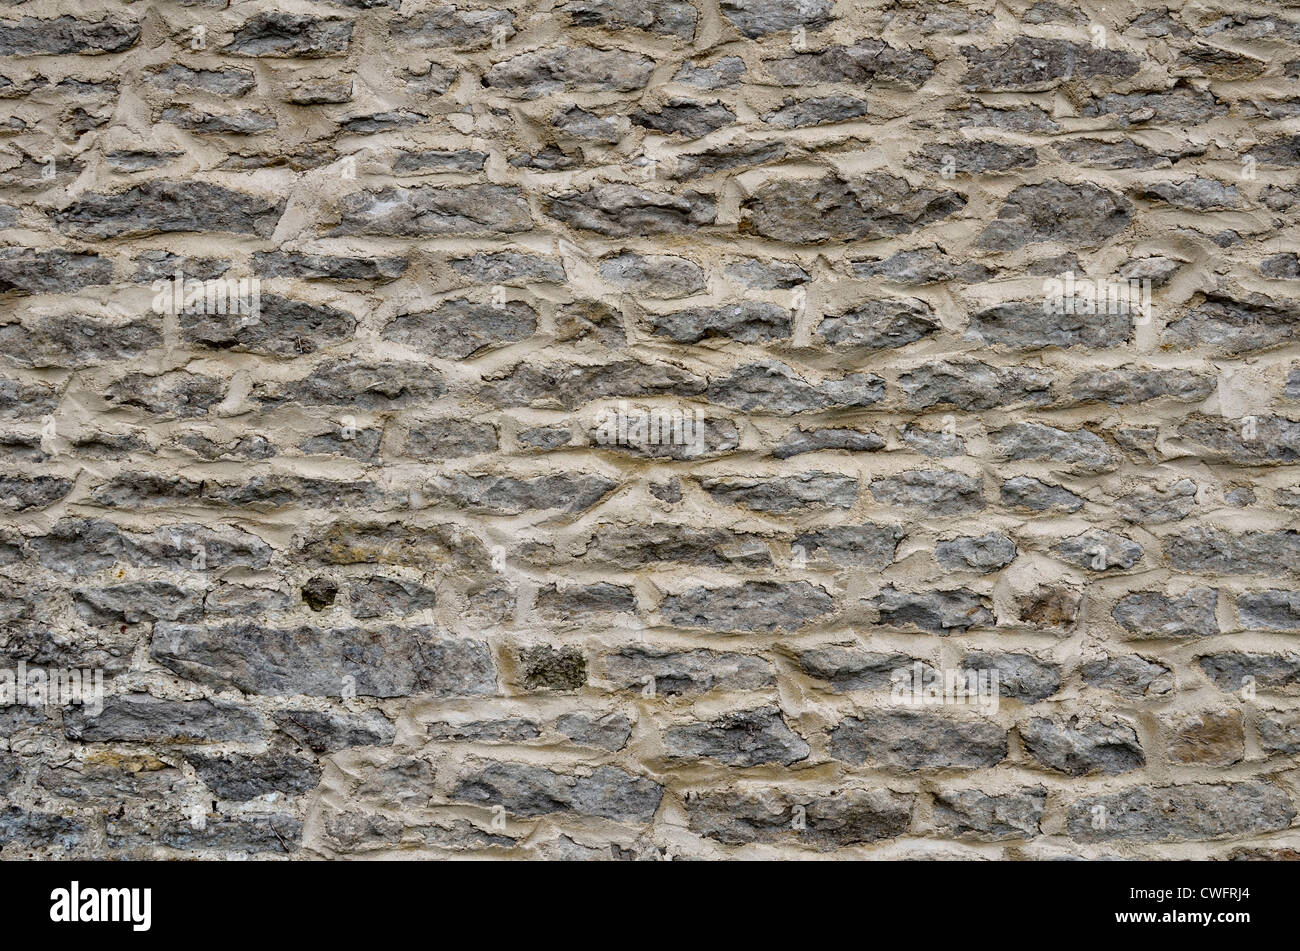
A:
[364, 574]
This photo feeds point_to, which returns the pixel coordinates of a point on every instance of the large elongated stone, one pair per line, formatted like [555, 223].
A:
[571, 69]
[1181, 813]
[1082, 215]
[382, 661]
[291, 34]
[740, 738]
[832, 819]
[165, 207]
[911, 741]
[525, 790]
[762, 606]
[833, 209]
[141, 718]
[621, 211]
[31, 36]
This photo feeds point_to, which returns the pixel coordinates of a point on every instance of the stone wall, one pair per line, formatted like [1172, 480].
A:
[969, 332]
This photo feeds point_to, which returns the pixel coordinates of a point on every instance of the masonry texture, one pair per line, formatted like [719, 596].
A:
[364, 578]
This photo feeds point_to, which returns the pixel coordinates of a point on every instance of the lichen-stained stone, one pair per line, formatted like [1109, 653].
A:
[348, 541]
[1206, 737]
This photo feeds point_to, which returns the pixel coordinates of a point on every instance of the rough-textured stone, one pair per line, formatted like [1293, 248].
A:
[143, 718]
[911, 741]
[758, 606]
[378, 662]
[525, 790]
[1079, 748]
[831, 819]
[687, 672]
[984, 553]
[833, 209]
[772, 387]
[1209, 738]
[743, 738]
[782, 495]
[971, 814]
[939, 491]
[1181, 813]
[165, 207]
[1150, 614]
[1021, 676]
[939, 612]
